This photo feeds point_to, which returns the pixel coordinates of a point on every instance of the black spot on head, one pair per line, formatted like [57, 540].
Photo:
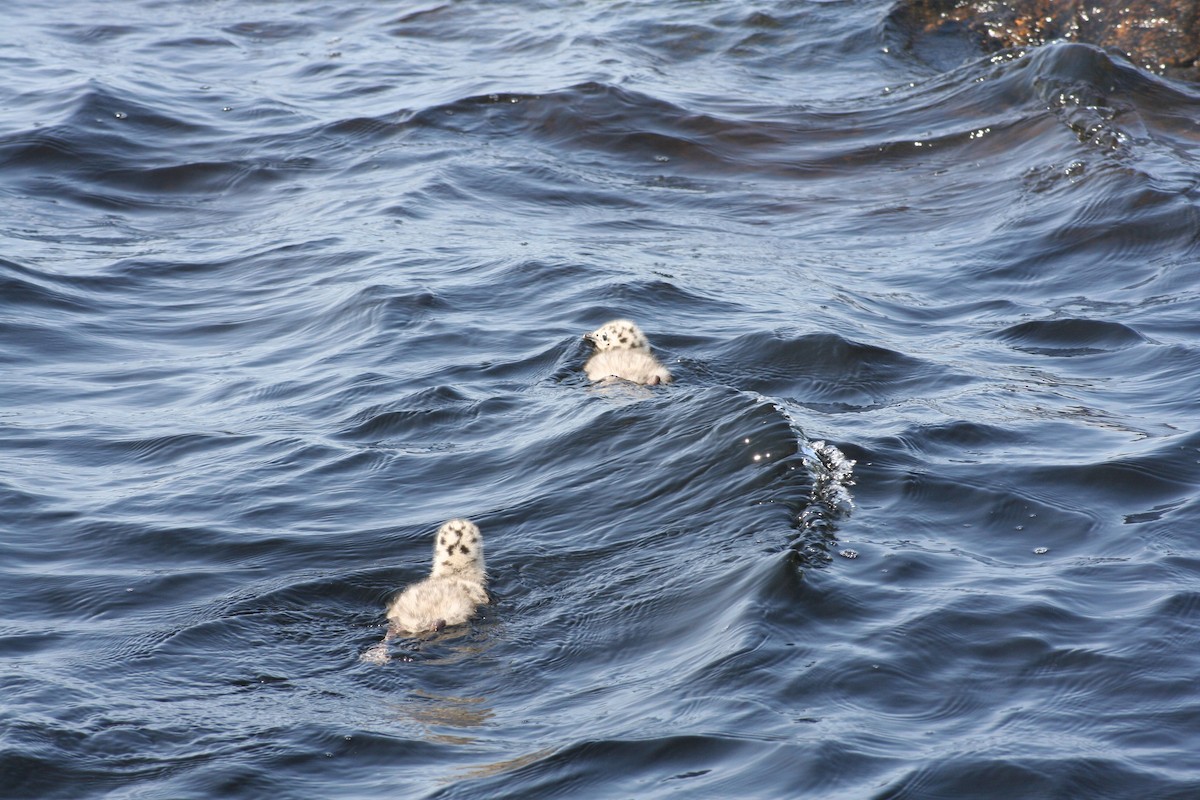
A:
[466, 550]
[445, 563]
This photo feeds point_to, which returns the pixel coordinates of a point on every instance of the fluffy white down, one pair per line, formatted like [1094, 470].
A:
[630, 365]
[623, 352]
[434, 602]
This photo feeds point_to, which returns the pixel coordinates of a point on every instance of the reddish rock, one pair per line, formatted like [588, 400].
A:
[1160, 35]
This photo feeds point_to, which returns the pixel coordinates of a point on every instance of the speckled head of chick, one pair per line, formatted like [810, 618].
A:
[458, 551]
[620, 334]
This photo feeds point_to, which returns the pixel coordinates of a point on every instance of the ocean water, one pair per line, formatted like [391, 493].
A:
[285, 285]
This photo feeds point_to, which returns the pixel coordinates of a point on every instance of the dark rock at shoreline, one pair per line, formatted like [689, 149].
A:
[1158, 35]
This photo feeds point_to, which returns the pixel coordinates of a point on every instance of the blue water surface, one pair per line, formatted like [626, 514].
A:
[284, 286]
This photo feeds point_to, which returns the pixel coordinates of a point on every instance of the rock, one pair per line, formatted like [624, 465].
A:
[1159, 35]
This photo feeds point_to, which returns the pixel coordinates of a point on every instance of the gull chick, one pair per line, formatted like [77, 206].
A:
[455, 587]
[623, 352]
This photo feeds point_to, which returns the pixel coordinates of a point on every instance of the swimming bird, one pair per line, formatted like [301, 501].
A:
[622, 351]
[455, 587]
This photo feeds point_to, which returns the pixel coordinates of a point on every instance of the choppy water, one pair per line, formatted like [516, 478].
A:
[286, 285]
